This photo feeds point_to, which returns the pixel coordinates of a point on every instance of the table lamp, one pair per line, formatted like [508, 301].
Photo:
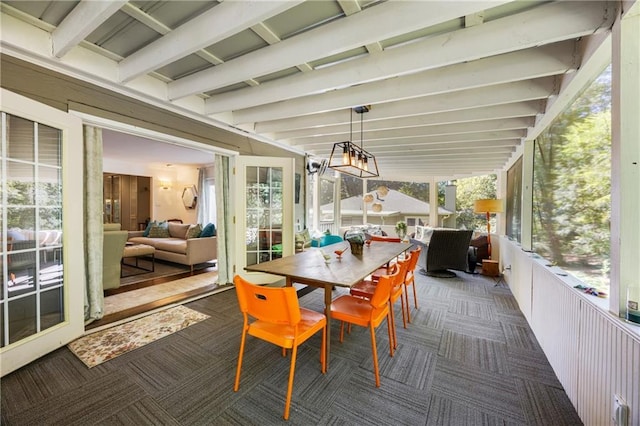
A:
[488, 206]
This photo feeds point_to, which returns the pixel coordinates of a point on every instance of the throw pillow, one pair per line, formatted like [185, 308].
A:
[194, 231]
[208, 231]
[148, 228]
[158, 231]
[178, 230]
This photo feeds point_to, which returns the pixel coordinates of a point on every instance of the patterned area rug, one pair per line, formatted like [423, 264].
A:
[96, 348]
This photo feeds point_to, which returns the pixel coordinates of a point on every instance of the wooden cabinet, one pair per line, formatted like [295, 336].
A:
[127, 200]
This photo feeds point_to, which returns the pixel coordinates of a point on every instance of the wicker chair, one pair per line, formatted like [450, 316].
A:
[447, 249]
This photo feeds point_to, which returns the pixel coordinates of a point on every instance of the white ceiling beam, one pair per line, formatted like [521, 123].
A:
[456, 101]
[442, 160]
[391, 149]
[425, 140]
[545, 24]
[371, 25]
[82, 21]
[271, 38]
[524, 64]
[222, 21]
[520, 109]
[471, 152]
[455, 143]
[416, 132]
[151, 22]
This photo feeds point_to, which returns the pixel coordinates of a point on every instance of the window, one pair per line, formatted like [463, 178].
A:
[468, 190]
[327, 190]
[572, 186]
[513, 211]
[30, 228]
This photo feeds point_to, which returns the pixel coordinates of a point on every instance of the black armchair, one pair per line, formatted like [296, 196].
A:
[447, 249]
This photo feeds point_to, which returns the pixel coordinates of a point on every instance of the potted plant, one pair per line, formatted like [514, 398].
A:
[356, 239]
[401, 229]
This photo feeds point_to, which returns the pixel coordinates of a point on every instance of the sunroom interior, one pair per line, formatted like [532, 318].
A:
[460, 90]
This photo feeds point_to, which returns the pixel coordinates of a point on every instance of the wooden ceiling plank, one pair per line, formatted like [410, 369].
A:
[538, 62]
[418, 131]
[518, 109]
[548, 23]
[419, 141]
[456, 101]
[369, 26]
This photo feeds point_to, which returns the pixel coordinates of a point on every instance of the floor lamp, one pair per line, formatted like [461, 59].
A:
[488, 206]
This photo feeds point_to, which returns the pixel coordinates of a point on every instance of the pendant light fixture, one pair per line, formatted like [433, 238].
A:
[347, 157]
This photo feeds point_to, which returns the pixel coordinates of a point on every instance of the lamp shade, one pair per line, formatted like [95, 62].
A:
[488, 206]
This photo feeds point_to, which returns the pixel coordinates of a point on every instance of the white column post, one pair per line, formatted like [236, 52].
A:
[625, 157]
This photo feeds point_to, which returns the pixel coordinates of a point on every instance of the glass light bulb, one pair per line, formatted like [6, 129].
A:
[345, 155]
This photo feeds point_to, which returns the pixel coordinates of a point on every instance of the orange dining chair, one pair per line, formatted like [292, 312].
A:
[385, 269]
[278, 319]
[366, 289]
[367, 313]
[410, 280]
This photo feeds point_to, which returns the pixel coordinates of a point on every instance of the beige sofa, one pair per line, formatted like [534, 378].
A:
[175, 247]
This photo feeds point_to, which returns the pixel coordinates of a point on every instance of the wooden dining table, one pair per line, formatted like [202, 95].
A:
[309, 267]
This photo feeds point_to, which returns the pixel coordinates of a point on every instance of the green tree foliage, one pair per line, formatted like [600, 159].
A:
[467, 192]
[572, 184]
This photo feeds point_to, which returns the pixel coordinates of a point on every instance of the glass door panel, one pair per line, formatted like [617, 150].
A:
[263, 214]
[32, 212]
[265, 205]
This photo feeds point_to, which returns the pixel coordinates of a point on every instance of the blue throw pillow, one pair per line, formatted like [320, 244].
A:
[208, 231]
[148, 228]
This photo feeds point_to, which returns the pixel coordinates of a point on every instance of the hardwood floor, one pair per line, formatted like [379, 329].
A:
[118, 316]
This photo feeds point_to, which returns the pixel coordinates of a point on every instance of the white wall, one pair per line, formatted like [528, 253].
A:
[593, 353]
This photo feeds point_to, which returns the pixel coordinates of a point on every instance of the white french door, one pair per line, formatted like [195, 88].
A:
[264, 194]
[41, 232]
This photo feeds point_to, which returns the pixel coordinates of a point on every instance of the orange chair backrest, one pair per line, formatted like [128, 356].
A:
[404, 269]
[383, 289]
[385, 239]
[415, 255]
[278, 305]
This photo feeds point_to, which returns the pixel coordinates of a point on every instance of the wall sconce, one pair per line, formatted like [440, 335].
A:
[165, 184]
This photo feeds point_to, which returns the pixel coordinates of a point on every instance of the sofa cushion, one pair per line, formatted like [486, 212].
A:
[208, 231]
[303, 236]
[423, 233]
[194, 231]
[178, 230]
[174, 245]
[159, 231]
